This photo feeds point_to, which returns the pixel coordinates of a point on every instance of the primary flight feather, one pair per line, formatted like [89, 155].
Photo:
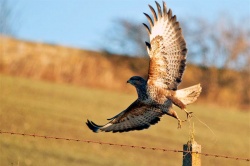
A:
[156, 95]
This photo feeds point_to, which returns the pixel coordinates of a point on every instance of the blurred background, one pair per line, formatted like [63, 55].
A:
[66, 61]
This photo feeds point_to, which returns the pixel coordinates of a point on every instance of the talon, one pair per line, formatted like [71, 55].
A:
[189, 114]
[180, 123]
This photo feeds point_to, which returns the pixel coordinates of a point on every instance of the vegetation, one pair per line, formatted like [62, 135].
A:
[225, 87]
[31, 106]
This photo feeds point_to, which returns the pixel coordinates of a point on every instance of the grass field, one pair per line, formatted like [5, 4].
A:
[43, 108]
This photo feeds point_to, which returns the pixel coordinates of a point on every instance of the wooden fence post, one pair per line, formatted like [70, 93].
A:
[191, 150]
[193, 157]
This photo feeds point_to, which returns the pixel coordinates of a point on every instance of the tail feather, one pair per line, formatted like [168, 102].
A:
[189, 95]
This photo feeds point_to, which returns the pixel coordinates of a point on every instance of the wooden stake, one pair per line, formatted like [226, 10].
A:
[193, 157]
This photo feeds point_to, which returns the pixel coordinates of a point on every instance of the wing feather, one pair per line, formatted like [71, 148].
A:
[147, 28]
[167, 49]
[137, 116]
[153, 13]
[164, 9]
[149, 20]
[159, 9]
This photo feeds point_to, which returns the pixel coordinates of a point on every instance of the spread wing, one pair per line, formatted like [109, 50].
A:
[137, 116]
[167, 49]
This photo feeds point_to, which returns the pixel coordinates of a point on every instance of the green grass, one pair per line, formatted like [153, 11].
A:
[43, 108]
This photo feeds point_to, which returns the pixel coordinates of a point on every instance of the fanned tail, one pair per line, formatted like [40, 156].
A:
[189, 95]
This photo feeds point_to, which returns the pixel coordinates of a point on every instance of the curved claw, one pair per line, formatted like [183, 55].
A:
[180, 123]
[189, 114]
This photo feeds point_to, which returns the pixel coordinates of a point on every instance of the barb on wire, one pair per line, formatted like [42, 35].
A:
[123, 145]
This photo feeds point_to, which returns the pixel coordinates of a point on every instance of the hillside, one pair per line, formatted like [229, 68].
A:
[101, 70]
[44, 108]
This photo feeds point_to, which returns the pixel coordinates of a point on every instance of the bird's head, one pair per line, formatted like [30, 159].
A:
[137, 81]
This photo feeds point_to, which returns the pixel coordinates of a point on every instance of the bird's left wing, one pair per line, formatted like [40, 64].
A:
[137, 116]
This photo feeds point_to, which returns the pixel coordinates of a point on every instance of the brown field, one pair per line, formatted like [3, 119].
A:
[60, 110]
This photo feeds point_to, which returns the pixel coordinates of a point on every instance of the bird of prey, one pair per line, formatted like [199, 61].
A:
[156, 95]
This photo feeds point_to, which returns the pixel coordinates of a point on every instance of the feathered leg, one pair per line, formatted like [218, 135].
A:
[172, 113]
[181, 105]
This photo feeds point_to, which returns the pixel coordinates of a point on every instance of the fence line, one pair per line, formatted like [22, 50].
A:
[123, 145]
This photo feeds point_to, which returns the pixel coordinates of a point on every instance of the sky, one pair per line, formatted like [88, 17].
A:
[84, 23]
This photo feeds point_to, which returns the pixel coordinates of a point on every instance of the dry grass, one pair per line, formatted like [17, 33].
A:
[29, 106]
[99, 70]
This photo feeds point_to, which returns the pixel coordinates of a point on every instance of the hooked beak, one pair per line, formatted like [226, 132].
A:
[129, 81]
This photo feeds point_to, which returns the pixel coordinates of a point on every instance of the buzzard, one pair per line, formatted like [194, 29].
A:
[156, 95]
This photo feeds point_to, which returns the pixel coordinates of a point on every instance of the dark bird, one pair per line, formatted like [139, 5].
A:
[156, 95]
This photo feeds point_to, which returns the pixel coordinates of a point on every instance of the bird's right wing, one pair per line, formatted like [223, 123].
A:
[167, 49]
[137, 116]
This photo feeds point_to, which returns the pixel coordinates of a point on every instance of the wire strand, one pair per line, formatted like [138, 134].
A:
[122, 145]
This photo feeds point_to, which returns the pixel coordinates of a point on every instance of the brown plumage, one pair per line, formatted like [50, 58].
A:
[167, 51]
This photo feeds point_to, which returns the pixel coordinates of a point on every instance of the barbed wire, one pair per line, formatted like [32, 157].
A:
[123, 145]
